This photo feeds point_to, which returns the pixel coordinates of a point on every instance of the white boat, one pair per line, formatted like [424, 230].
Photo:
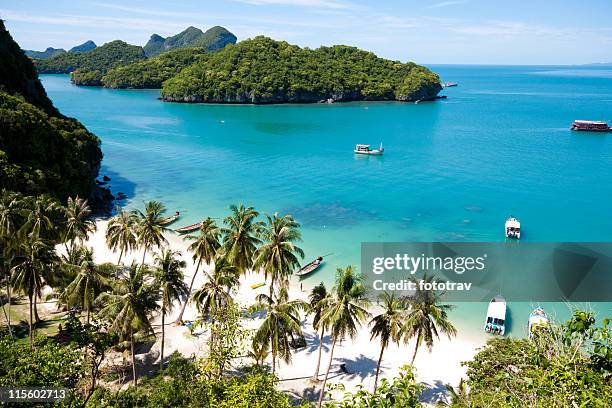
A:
[365, 149]
[496, 316]
[537, 320]
[513, 228]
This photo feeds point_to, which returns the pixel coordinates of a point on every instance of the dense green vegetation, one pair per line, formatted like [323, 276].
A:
[262, 70]
[213, 39]
[152, 72]
[88, 67]
[41, 151]
[48, 53]
[86, 46]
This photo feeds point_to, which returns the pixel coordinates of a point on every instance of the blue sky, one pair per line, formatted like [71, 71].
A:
[436, 31]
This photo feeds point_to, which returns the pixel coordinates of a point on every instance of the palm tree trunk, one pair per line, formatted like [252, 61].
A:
[31, 338]
[273, 363]
[8, 322]
[134, 378]
[416, 348]
[179, 319]
[382, 350]
[88, 315]
[163, 322]
[120, 256]
[8, 292]
[331, 357]
[36, 317]
[144, 254]
[316, 374]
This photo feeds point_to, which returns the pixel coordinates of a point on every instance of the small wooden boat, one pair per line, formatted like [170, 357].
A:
[258, 285]
[171, 219]
[496, 316]
[538, 319]
[449, 84]
[365, 149]
[513, 228]
[591, 126]
[189, 228]
[311, 267]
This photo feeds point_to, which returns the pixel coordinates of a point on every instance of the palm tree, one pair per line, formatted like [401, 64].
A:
[41, 216]
[240, 238]
[170, 279]
[150, 227]
[278, 256]
[388, 325]
[34, 256]
[426, 318]
[78, 223]
[281, 323]
[318, 298]
[215, 293]
[204, 248]
[121, 233]
[89, 282]
[344, 312]
[129, 307]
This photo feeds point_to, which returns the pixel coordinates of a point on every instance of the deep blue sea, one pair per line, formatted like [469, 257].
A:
[453, 170]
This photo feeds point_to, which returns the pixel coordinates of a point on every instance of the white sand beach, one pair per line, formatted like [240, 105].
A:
[441, 366]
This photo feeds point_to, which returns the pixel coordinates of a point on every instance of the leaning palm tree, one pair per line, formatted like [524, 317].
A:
[129, 307]
[318, 298]
[344, 312]
[388, 325]
[121, 233]
[278, 255]
[150, 227]
[281, 324]
[204, 248]
[426, 318]
[216, 292]
[90, 281]
[170, 279]
[240, 237]
[33, 257]
[78, 221]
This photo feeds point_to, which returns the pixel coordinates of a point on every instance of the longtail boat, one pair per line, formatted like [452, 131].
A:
[189, 228]
[311, 267]
[171, 219]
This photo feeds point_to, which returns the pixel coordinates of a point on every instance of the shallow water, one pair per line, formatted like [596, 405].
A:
[452, 171]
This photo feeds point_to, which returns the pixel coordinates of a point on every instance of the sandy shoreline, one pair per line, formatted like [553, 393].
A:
[441, 366]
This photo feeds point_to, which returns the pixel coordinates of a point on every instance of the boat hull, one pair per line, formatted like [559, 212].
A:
[371, 153]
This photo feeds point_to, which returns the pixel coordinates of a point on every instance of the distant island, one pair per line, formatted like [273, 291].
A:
[51, 52]
[87, 67]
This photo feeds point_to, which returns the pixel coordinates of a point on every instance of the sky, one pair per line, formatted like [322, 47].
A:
[428, 32]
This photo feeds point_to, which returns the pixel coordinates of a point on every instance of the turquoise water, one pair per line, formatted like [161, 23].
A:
[452, 171]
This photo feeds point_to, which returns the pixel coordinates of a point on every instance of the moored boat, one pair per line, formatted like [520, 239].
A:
[171, 219]
[591, 126]
[513, 228]
[449, 84]
[538, 319]
[311, 267]
[365, 149]
[189, 228]
[496, 316]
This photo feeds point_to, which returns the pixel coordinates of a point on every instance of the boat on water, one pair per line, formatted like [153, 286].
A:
[311, 267]
[496, 316]
[591, 126]
[513, 228]
[365, 149]
[538, 319]
[189, 228]
[171, 219]
[449, 84]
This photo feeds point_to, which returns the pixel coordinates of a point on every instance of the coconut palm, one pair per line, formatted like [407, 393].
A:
[388, 325]
[129, 307]
[78, 221]
[33, 257]
[121, 233]
[318, 298]
[204, 248]
[344, 312]
[89, 282]
[170, 279]
[426, 318]
[281, 324]
[41, 219]
[150, 227]
[240, 237]
[278, 255]
[215, 293]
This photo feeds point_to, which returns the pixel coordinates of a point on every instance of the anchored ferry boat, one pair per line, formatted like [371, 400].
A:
[365, 149]
[513, 228]
[496, 316]
[591, 126]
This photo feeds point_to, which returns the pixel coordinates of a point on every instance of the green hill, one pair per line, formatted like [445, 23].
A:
[150, 73]
[213, 39]
[262, 70]
[48, 53]
[86, 46]
[88, 67]
[41, 151]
